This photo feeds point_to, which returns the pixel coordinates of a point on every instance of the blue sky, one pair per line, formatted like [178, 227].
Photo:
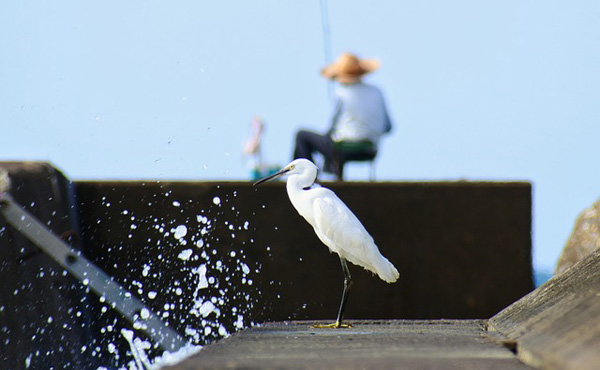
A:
[497, 90]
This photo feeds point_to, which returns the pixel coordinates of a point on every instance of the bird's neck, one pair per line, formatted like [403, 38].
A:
[299, 198]
[300, 182]
[294, 186]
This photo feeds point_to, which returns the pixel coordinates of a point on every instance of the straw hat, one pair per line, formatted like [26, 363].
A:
[348, 68]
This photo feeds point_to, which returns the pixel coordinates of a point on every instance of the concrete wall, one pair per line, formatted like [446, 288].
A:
[463, 249]
[44, 312]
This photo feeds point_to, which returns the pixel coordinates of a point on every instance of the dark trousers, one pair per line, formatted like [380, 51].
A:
[308, 142]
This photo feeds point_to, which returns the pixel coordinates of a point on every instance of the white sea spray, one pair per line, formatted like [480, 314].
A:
[192, 279]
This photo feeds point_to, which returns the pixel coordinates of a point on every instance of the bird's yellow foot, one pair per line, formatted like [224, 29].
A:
[335, 325]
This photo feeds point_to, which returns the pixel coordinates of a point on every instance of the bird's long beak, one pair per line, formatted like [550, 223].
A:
[272, 177]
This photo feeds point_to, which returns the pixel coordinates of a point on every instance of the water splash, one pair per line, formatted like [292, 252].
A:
[189, 267]
[205, 299]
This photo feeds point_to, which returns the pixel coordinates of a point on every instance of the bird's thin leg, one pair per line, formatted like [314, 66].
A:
[347, 285]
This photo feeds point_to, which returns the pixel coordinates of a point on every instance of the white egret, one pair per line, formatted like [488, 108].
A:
[335, 225]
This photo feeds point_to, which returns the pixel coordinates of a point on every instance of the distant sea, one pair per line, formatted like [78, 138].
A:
[541, 276]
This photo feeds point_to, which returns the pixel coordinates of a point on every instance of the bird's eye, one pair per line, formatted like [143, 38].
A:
[292, 167]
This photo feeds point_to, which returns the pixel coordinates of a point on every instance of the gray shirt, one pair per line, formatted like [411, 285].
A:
[359, 113]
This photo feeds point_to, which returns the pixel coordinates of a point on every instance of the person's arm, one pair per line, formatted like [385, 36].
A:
[387, 127]
[337, 109]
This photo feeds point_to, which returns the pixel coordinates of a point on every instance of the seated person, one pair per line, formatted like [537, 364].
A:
[360, 115]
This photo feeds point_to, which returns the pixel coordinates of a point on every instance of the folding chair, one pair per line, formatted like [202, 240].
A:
[353, 151]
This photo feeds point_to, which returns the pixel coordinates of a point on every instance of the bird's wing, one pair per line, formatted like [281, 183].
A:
[344, 234]
[340, 230]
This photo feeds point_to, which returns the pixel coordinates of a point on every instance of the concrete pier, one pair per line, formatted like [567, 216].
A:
[557, 326]
[463, 251]
[554, 327]
[383, 344]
